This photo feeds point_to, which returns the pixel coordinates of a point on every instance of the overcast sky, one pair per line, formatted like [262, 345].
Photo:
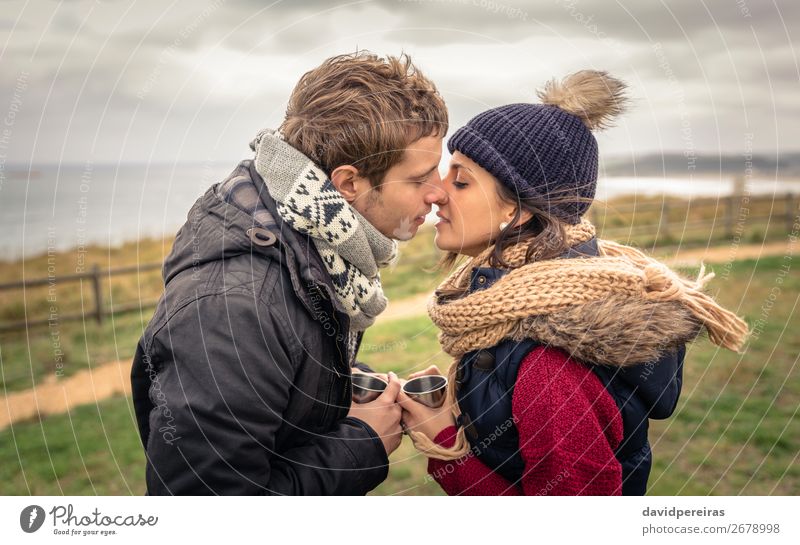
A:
[110, 81]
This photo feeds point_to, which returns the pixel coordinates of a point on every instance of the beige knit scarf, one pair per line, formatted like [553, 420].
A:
[530, 292]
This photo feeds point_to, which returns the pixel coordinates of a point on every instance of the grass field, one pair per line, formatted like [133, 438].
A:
[736, 429]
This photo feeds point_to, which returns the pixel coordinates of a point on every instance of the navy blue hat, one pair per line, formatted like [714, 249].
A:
[547, 151]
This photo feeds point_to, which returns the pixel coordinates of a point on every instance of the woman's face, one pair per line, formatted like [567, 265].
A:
[471, 214]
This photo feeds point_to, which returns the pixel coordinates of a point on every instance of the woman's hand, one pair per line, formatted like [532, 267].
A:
[432, 370]
[423, 419]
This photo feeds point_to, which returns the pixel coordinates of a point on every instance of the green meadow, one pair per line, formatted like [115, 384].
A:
[735, 431]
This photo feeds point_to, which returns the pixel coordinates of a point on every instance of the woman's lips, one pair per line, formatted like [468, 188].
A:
[442, 220]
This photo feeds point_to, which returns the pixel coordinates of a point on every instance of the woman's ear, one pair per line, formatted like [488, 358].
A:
[524, 216]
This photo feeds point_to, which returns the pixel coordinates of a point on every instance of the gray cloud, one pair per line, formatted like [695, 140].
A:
[103, 76]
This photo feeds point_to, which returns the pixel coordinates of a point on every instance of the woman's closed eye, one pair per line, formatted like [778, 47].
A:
[459, 184]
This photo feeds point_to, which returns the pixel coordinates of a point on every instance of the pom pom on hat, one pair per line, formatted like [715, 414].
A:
[594, 97]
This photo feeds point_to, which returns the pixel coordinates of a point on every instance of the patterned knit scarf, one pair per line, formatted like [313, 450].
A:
[351, 248]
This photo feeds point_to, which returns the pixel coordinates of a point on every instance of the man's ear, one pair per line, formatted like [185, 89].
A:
[347, 181]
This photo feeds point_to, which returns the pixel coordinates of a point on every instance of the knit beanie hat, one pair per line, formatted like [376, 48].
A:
[547, 150]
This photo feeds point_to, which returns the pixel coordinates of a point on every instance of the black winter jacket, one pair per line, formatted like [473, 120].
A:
[241, 380]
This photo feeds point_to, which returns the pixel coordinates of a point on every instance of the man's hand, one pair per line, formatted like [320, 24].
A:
[421, 418]
[383, 415]
[382, 376]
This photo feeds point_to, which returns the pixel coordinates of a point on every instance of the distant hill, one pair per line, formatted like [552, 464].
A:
[677, 165]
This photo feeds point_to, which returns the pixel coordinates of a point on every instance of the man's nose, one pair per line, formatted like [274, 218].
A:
[437, 194]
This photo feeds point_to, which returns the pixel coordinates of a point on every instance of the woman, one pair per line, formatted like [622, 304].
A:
[560, 340]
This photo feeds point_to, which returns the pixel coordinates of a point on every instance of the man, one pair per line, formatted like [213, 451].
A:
[241, 381]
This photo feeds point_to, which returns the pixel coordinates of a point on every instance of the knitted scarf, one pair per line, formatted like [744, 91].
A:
[621, 297]
[352, 249]
[486, 317]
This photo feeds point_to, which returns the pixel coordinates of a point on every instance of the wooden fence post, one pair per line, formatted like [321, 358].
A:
[98, 301]
[790, 212]
[729, 217]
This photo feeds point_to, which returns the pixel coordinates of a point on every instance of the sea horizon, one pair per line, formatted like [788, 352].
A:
[58, 207]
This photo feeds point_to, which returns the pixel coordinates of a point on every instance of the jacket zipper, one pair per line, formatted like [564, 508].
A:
[345, 393]
[345, 380]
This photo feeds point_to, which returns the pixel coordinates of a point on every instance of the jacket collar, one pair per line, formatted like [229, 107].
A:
[484, 277]
[217, 230]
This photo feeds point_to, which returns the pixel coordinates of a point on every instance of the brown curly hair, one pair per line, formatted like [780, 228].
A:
[362, 110]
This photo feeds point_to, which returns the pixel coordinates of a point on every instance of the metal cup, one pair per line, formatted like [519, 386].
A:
[429, 390]
[367, 388]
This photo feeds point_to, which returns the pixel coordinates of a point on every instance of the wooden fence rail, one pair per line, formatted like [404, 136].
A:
[663, 227]
[732, 204]
[95, 276]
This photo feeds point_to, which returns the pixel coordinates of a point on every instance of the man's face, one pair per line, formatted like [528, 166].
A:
[399, 206]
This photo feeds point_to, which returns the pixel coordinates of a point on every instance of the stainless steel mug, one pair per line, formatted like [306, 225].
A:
[429, 390]
[367, 388]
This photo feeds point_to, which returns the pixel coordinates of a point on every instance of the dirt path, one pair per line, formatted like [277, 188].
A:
[405, 308]
[55, 397]
[113, 378]
[724, 254]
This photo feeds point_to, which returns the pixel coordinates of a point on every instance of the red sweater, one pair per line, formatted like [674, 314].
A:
[569, 426]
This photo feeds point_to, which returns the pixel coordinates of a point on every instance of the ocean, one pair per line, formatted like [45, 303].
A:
[66, 206]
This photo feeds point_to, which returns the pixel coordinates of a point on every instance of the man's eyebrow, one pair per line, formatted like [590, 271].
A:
[426, 173]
